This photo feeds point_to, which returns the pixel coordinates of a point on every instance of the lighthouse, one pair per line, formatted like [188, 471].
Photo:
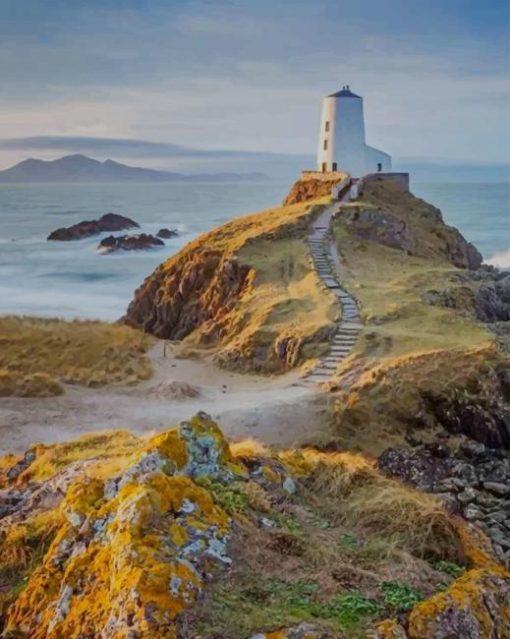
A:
[342, 145]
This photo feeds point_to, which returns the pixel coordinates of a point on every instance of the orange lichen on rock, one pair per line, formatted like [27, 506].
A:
[475, 606]
[129, 551]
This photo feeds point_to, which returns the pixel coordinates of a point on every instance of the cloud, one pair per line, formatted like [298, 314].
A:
[245, 75]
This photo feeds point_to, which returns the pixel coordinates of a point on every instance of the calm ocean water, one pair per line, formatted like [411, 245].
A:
[73, 280]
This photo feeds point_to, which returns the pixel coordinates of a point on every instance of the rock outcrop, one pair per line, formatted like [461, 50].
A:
[484, 294]
[312, 188]
[380, 226]
[198, 291]
[87, 228]
[476, 606]
[139, 242]
[387, 213]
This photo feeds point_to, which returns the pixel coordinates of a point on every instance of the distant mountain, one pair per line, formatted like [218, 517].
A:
[80, 168]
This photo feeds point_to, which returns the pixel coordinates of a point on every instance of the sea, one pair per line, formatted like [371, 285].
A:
[74, 280]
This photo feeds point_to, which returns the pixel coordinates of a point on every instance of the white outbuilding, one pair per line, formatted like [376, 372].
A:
[342, 145]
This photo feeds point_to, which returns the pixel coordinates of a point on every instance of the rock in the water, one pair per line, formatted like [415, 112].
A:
[129, 242]
[108, 222]
[167, 233]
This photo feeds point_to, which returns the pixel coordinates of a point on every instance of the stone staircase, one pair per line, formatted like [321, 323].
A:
[326, 261]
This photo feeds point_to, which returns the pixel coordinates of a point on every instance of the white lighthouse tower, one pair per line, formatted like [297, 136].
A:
[342, 145]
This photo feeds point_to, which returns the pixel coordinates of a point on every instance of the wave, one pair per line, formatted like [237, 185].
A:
[501, 259]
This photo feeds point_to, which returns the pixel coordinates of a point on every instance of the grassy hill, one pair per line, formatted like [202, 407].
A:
[245, 293]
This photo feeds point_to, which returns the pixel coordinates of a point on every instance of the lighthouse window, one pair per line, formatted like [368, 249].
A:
[327, 127]
[325, 144]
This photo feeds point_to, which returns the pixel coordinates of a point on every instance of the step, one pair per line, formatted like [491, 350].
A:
[318, 373]
[351, 325]
[324, 371]
[333, 360]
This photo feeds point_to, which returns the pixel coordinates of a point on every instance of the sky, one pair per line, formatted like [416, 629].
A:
[201, 77]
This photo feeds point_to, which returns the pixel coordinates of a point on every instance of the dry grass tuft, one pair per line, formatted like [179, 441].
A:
[248, 448]
[38, 355]
[417, 520]
[336, 474]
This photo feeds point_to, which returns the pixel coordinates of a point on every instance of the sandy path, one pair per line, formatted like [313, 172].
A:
[279, 410]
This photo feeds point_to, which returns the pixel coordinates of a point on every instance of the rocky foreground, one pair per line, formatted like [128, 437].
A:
[183, 536]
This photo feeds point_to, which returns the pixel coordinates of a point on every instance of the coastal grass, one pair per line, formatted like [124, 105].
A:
[38, 356]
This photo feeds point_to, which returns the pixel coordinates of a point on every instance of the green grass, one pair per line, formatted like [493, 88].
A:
[399, 596]
[230, 497]
[450, 568]
[271, 603]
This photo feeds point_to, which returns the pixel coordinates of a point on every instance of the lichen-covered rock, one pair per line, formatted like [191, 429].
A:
[131, 550]
[476, 606]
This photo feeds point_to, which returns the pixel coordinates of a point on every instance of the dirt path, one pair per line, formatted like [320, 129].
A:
[277, 410]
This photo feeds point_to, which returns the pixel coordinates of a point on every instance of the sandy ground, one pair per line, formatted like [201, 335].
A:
[277, 410]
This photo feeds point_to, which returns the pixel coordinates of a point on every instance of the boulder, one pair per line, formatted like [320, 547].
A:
[418, 467]
[109, 222]
[166, 234]
[129, 243]
[484, 295]
[474, 607]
